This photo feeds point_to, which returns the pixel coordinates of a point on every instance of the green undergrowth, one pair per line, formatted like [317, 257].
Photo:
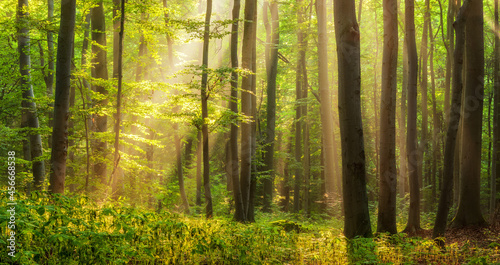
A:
[63, 230]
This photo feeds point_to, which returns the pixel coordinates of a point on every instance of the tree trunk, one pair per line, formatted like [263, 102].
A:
[357, 217]
[325, 104]
[61, 104]
[49, 77]
[495, 170]
[198, 169]
[435, 126]
[99, 71]
[411, 140]
[403, 163]
[452, 131]
[423, 146]
[28, 104]
[204, 113]
[272, 41]
[253, 182]
[469, 208]
[388, 171]
[246, 104]
[239, 213]
[117, 73]
[299, 124]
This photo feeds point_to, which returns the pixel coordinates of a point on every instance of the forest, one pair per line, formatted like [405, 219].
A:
[249, 132]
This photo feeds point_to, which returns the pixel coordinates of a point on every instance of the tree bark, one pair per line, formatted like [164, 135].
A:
[49, 77]
[326, 111]
[388, 171]
[239, 213]
[445, 199]
[411, 140]
[246, 104]
[495, 169]
[117, 73]
[357, 217]
[299, 124]
[204, 112]
[29, 107]
[272, 72]
[61, 104]
[469, 208]
[99, 71]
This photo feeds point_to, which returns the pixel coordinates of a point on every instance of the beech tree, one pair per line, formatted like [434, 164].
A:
[388, 173]
[99, 71]
[65, 41]
[29, 117]
[411, 134]
[469, 209]
[357, 217]
[272, 42]
[204, 112]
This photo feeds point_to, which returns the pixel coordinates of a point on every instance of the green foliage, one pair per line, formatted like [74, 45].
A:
[73, 230]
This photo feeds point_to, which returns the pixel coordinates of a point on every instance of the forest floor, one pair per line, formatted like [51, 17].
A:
[72, 230]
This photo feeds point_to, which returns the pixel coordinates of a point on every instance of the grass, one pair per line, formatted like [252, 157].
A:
[63, 230]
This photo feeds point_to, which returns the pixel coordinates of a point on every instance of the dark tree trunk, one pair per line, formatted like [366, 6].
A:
[49, 77]
[30, 118]
[204, 113]
[99, 71]
[495, 169]
[198, 169]
[445, 200]
[469, 208]
[403, 163]
[239, 213]
[422, 164]
[246, 104]
[357, 217]
[117, 73]
[272, 72]
[411, 137]
[61, 104]
[388, 171]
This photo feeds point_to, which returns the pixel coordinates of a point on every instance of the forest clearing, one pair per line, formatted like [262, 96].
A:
[249, 132]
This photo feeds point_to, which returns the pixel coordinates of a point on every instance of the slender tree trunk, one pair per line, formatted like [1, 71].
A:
[204, 113]
[453, 125]
[435, 127]
[452, 9]
[325, 104]
[49, 78]
[495, 170]
[357, 217]
[299, 124]
[119, 70]
[246, 104]
[388, 171]
[61, 104]
[28, 104]
[272, 72]
[253, 182]
[198, 169]
[469, 208]
[375, 100]
[403, 163]
[99, 71]
[239, 213]
[411, 140]
[423, 145]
